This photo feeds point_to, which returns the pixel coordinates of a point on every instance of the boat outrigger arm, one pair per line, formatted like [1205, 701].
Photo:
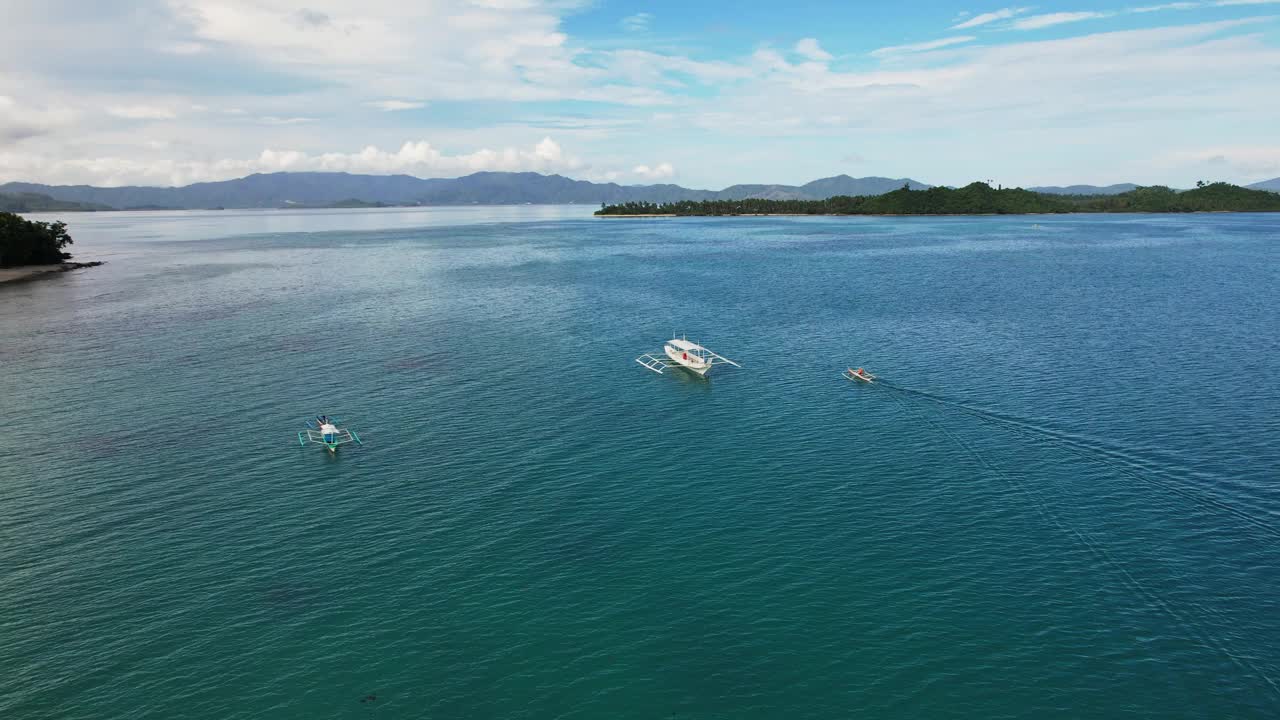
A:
[681, 352]
[339, 437]
[327, 433]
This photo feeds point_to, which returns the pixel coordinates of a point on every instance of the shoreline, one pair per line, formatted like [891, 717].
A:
[1026, 214]
[35, 272]
[662, 215]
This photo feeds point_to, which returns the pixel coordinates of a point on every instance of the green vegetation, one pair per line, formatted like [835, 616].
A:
[36, 202]
[27, 242]
[976, 199]
[345, 204]
[1206, 197]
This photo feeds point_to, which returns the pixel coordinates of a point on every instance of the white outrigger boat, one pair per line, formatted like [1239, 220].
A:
[859, 374]
[683, 353]
[324, 431]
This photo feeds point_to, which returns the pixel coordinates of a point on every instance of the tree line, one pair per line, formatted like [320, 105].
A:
[975, 199]
[28, 242]
[35, 202]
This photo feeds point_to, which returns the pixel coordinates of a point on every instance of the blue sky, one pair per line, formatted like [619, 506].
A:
[704, 94]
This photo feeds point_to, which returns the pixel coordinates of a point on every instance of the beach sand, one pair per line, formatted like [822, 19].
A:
[31, 272]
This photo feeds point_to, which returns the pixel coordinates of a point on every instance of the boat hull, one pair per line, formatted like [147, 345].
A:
[692, 363]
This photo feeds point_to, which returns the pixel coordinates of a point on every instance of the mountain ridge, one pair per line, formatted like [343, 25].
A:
[1272, 185]
[35, 202]
[1084, 189]
[312, 189]
[323, 189]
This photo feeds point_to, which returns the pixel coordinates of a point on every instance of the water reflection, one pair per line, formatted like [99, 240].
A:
[107, 227]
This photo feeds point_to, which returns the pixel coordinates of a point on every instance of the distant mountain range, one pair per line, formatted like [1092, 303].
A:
[313, 189]
[36, 202]
[308, 189]
[1084, 189]
[1273, 185]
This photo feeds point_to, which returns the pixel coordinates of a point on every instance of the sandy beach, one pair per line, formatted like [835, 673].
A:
[31, 272]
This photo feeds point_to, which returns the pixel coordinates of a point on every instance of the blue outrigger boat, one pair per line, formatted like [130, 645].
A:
[324, 430]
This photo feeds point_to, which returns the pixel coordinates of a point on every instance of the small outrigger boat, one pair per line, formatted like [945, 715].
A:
[324, 430]
[859, 374]
[684, 353]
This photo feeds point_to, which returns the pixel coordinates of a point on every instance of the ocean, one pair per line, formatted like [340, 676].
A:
[1060, 502]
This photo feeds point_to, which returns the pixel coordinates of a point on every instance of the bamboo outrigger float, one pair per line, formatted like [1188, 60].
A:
[682, 352]
[324, 431]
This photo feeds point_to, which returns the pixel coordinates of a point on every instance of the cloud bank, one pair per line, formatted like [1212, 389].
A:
[212, 89]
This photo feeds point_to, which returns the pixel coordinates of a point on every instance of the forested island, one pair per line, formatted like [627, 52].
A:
[38, 202]
[28, 242]
[976, 199]
[34, 247]
[348, 204]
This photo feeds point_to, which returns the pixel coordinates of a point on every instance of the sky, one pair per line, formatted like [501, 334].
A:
[703, 94]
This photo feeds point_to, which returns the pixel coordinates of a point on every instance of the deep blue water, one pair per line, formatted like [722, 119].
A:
[1061, 503]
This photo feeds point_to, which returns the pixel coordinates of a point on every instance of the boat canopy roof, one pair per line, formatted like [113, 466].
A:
[684, 344]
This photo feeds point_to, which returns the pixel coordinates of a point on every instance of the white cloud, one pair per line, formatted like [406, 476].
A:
[1161, 77]
[273, 77]
[1201, 4]
[1246, 163]
[637, 23]
[660, 171]
[989, 17]
[395, 105]
[422, 159]
[306, 17]
[646, 68]
[1167, 6]
[1036, 22]
[21, 121]
[809, 48]
[141, 112]
[922, 46]
[417, 158]
[184, 48]
[457, 50]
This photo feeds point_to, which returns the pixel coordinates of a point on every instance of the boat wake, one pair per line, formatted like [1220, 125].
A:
[1195, 626]
[1094, 451]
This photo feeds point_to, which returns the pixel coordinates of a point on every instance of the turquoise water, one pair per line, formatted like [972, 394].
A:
[1061, 503]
